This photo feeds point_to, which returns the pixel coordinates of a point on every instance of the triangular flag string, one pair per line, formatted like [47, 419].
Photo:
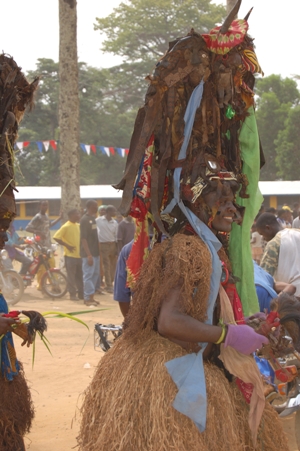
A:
[86, 148]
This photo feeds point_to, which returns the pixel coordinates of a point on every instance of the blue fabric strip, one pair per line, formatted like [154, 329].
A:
[6, 368]
[188, 372]
[138, 176]
[189, 118]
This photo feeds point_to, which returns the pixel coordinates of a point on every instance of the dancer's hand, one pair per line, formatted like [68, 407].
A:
[5, 324]
[244, 339]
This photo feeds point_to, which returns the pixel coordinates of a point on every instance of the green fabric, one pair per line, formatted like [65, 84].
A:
[239, 243]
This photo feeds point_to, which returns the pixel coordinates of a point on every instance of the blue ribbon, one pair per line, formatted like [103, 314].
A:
[6, 366]
[188, 371]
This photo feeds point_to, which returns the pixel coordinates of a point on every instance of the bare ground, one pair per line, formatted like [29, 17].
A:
[58, 381]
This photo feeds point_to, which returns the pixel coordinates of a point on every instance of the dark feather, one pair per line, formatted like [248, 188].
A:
[37, 322]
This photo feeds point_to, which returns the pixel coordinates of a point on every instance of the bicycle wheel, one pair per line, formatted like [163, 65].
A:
[13, 288]
[54, 283]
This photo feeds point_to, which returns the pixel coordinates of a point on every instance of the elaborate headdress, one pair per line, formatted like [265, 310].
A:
[187, 136]
[16, 94]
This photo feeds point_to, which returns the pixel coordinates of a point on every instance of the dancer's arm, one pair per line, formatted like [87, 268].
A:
[176, 325]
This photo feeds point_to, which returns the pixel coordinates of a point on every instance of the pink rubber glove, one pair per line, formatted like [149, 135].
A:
[244, 339]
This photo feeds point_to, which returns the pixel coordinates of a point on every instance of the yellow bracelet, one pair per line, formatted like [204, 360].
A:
[222, 336]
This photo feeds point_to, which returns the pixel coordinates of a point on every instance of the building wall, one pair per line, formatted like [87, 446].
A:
[278, 201]
[26, 210]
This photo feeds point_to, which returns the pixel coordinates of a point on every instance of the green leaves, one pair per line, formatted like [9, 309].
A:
[71, 315]
[276, 102]
[287, 146]
[55, 314]
[104, 120]
[140, 30]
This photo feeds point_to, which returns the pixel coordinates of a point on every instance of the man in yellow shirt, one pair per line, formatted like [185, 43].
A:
[69, 237]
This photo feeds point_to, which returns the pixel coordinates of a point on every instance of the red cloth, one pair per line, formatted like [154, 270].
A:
[139, 251]
[12, 314]
[140, 206]
[246, 389]
[236, 304]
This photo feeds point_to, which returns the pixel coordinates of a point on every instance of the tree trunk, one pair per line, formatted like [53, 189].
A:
[68, 107]
[229, 5]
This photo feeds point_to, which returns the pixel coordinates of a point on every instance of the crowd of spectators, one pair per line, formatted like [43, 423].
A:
[98, 241]
[92, 241]
[275, 244]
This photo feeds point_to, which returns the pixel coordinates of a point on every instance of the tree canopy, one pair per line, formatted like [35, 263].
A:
[101, 123]
[277, 97]
[287, 147]
[139, 32]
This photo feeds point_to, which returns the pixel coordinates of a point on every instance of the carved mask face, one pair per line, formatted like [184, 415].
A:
[226, 214]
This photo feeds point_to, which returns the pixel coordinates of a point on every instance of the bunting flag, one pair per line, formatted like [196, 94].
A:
[53, 144]
[122, 152]
[46, 145]
[107, 150]
[86, 148]
[40, 145]
[83, 147]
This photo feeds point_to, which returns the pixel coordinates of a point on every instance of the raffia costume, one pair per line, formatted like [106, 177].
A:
[128, 405]
[193, 126]
[16, 409]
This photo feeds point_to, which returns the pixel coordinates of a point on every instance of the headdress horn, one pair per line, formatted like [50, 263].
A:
[247, 15]
[230, 17]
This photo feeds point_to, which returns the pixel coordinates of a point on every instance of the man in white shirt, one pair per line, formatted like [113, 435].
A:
[281, 256]
[296, 222]
[107, 236]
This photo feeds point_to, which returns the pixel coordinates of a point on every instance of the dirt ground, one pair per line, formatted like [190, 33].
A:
[58, 381]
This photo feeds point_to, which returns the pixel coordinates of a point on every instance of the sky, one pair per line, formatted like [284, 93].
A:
[29, 30]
